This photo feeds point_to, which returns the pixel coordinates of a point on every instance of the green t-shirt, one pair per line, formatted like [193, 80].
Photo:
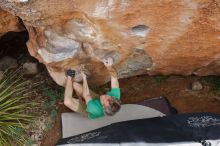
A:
[94, 106]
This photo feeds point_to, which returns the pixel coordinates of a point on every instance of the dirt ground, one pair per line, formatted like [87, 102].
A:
[176, 88]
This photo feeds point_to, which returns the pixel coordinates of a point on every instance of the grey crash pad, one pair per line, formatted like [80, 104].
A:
[74, 124]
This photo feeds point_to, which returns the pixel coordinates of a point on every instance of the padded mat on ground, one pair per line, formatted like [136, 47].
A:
[161, 104]
[197, 129]
[74, 124]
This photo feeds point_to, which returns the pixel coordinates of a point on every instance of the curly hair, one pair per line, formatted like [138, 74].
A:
[114, 107]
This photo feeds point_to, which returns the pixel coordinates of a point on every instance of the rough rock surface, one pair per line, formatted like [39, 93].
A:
[196, 86]
[9, 22]
[7, 63]
[30, 68]
[144, 36]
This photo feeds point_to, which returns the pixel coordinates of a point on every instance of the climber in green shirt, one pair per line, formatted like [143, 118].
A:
[94, 106]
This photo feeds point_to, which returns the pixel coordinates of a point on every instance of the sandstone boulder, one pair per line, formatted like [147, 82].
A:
[30, 68]
[143, 37]
[196, 86]
[9, 22]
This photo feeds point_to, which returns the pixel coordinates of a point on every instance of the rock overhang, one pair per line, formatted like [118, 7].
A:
[143, 37]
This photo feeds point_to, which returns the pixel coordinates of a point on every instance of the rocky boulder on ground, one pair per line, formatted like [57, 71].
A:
[196, 86]
[142, 36]
[8, 63]
[30, 68]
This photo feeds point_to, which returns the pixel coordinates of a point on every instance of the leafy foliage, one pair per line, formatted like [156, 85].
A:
[48, 125]
[53, 113]
[214, 81]
[53, 95]
[160, 79]
[29, 142]
[14, 118]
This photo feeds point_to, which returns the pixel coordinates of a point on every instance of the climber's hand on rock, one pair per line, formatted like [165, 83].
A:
[83, 75]
[108, 62]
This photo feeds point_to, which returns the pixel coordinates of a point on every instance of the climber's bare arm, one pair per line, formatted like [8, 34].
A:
[86, 93]
[114, 77]
[68, 100]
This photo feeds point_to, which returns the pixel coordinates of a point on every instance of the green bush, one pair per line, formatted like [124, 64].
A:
[53, 95]
[214, 81]
[14, 105]
[160, 79]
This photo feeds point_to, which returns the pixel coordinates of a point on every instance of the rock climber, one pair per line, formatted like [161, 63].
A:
[94, 106]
